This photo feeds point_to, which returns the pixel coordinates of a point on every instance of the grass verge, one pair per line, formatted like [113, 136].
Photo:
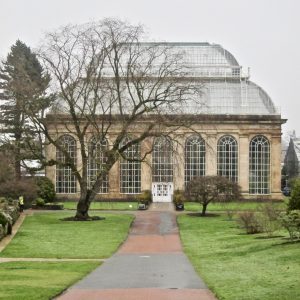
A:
[237, 266]
[236, 206]
[105, 205]
[45, 235]
[40, 280]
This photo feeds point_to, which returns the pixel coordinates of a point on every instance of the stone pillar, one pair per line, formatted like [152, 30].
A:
[211, 155]
[244, 163]
[50, 170]
[114, 179]
[275, 166]
[178, 164]
[146, 171]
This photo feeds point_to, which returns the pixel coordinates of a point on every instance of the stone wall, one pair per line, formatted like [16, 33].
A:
[243, 128]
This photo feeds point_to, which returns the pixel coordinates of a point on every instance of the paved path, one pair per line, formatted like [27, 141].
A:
[149, 265]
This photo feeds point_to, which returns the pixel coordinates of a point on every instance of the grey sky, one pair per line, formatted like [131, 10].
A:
[261, 34]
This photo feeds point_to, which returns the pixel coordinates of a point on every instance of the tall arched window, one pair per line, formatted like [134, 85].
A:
[130, 170]
[259, 165]
[97, 162]
[194, 158]
[162, 160]
[228, 157]
[65, 179]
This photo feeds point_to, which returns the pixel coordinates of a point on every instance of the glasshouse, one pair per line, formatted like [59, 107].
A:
[230, 128]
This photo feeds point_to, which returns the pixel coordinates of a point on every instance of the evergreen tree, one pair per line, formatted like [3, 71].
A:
[294, 201]
[22, 93]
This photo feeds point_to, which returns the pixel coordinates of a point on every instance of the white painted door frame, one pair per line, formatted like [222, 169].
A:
[162, 191]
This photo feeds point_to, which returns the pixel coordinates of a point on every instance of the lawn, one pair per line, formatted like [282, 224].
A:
[40, 280]
[105, 205]
[237, 266]
[237, 206]
[45, 235]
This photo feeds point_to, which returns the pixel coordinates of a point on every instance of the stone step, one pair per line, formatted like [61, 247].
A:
[161, 206]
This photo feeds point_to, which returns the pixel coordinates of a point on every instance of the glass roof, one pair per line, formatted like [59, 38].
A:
[232, 97]
[226, 89]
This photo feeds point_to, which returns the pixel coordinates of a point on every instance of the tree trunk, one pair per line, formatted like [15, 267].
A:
[204, 206]
[17, 162]
[17, 169]
[83, 206]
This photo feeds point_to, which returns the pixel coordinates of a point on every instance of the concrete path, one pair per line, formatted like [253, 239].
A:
[149, 265]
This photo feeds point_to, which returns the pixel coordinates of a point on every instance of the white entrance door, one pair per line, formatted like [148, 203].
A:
[162, 191]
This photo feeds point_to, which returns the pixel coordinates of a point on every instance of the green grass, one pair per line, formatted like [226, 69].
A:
[237, 206]
[45, 235]
[105, 205]
[237, 266]
[40, 280]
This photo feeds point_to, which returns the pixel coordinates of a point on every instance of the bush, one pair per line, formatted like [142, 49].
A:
[45, 189]
[25, 187]
[178, 199]
[6, 222]
[145, 197]
[3, 219]
[294, 201]
[291, 222]
[54, 206]
[206, 189]
[250, 221]
[40, 202]
[269, 218]
[2, 233]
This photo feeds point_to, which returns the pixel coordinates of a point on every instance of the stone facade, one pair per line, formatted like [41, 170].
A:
[211, 128]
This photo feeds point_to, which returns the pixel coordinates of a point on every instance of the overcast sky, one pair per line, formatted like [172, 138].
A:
[262, 34]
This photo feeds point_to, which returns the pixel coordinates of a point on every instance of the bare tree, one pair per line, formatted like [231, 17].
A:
[209, 189]
[108, 81]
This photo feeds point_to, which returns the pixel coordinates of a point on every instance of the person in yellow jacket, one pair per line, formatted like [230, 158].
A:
[21, 203]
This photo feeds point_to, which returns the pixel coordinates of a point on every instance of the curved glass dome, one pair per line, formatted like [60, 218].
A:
[205, 59]
[225, 89]
[232, 97]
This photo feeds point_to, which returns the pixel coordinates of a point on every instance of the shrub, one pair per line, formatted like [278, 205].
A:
[294, 201]
[2, 200]
[40, 202]
[178, 197]
[229, 213]
[206, 189]
[14, 189]
[54, 206]
[291, 222]
[45, 189]
[145, 197]
[269, 218]
[3, 219]
[249, 221]
[1, 232]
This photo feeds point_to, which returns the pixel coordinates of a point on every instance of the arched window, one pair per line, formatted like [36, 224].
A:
[259, 165]
[194, 158]
[96, 162]
[65, 179]
[130, 170]
[228, 157]
[162, 160]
